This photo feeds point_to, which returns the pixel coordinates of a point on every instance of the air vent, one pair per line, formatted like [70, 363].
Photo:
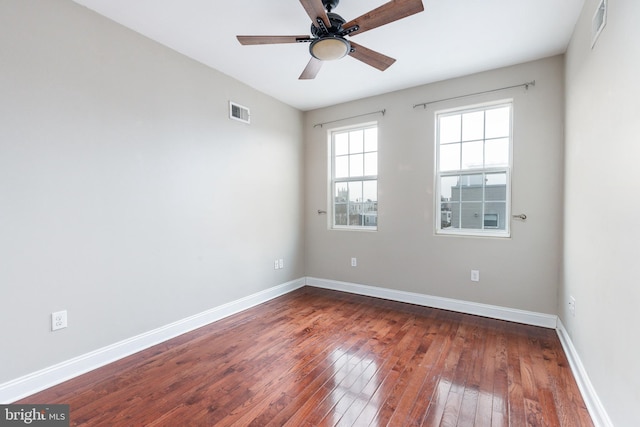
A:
[598, 22]
[239, 112]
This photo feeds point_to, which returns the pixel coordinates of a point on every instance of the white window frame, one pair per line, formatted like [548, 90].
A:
[333, 180]
[485, 231]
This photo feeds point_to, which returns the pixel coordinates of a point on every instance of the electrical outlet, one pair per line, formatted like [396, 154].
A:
[281, 263]
[475, 275]
[58, 320]
[354, 262]
[572, 306]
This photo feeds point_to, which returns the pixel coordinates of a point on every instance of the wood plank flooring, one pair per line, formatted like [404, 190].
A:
[322, 358]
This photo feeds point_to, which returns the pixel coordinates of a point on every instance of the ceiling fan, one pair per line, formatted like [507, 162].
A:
[329, 30]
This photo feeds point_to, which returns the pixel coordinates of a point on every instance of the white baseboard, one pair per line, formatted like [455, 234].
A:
[37, 381]
[594, 406]
[485, 310]
[45, 378]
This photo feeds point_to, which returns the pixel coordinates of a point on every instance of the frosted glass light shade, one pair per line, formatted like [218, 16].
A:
[330, 48]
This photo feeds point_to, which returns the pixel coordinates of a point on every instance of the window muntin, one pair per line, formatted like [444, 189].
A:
[354, 177]
[473, 166]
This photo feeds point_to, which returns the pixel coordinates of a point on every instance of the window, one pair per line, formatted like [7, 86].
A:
[473, 166]
[354, 177]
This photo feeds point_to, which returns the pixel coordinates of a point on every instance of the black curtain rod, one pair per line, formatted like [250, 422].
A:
[352, 117]
[525, 85]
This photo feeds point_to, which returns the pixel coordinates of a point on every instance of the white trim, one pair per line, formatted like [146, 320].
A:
[37, 381]
[594, 405]
[492, 311]
[32, 383]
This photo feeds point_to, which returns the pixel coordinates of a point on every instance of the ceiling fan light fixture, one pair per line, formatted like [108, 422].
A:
[329, 48]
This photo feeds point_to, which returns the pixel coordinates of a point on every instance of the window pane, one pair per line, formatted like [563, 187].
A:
[495, 210]
[340, 214]
[370, 191]
[342, 167]
[342, 192]
[355, 203]
[370, 204]
[471, 188]
[340, 203]
[447, 186]
[449, 194]
[455, 215]
[496, 152]
[341, 144]
[446, 216]
[371, 164]
[355, 215]
[449, 129]
[496, 178]
[356, 141]
[472, 155]
[450, 157]
[496, 186]
[490, 220]
[355, 192]
[471, 216]
[473, 126]
[498, 122]
[356, 165]
[468, 180]
[371, 139]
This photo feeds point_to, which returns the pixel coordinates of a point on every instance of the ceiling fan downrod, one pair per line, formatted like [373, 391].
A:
[330, 4]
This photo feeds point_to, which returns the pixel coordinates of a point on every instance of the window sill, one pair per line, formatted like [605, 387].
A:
[471, 233]
[353, 228]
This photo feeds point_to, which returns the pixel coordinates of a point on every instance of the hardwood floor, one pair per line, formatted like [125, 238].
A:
[323, 358]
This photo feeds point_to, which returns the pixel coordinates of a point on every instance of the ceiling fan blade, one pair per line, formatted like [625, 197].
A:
[315, 9]
[388, 12]
[249, 40]
[371, 57]
[311, 70]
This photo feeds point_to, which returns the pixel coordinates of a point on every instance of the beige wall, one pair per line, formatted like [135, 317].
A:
[404, 254]
[127, 196]
[602, 201]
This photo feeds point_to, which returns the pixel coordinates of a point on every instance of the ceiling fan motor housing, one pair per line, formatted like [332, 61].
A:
[329, 43]
[336, 21]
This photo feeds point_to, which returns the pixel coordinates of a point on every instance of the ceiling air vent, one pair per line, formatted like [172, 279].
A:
[598, 22]
[239, 112]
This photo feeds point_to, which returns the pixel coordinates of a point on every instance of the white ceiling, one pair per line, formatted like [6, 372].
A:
[450, 38]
